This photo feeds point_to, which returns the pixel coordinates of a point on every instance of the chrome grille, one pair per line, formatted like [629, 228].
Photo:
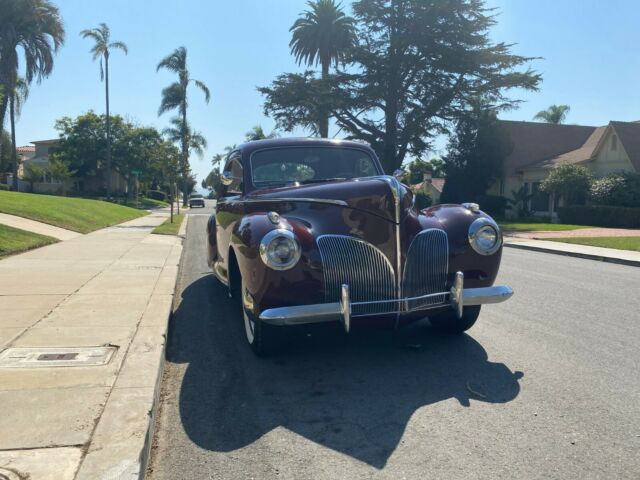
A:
[426, 268]
[363, 267]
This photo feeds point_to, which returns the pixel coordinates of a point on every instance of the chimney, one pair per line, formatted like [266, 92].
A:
[427, 175]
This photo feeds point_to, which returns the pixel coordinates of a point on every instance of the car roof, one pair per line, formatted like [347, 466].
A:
[250, 147]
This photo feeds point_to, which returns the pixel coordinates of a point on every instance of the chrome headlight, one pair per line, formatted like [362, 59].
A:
[280, 249]
[484, 236]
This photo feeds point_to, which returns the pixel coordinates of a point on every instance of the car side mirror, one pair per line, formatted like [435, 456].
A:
[400, 174]
[227, 178]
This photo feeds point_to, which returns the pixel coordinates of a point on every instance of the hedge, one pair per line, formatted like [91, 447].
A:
[601, 216]
[423, 200]
[493, 205]
[4, 186]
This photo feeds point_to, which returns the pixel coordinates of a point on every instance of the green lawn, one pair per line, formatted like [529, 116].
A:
[77, 214]
[537, 227]
[619, 243]
[14, 240]
[144, 203]
[168, 228]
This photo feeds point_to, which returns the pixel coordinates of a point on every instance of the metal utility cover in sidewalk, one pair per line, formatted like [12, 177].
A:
[47, 357]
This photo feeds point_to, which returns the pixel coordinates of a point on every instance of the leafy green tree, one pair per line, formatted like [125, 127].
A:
[297, 100]
[416, 68]
[33, 174]
[555, 114]
[34, 29]
[418, 167]
[475, 157]
[60, 172]
[82, 147]
[568, 181]
[322, 35]
[174, 97]
[102, 49]
[83, 143]
[618, 189]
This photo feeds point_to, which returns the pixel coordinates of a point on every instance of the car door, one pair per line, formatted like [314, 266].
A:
[228, 212]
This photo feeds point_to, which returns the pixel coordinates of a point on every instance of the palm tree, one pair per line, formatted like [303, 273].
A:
[174, 97]
[555, 114]
[195, 140]
[102, 49]
[35, 28]
[323, 34]
[257, 133]
[17, 97]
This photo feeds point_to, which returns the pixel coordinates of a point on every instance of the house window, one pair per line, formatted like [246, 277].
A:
[539, 199]
[614, 142]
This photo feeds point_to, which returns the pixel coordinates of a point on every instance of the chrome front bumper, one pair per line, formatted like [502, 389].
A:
[457, 298]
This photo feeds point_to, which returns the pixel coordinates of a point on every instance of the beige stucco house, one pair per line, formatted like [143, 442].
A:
[431, 186]
[539, 147]
[38, 155]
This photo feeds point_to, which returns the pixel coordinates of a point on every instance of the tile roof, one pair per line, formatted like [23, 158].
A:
[27, 148]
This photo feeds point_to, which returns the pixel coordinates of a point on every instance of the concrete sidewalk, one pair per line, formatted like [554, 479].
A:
[625, 257]
[37, 227]
[112, 288]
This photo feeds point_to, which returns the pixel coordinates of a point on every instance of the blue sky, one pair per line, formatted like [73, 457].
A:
[588, 51]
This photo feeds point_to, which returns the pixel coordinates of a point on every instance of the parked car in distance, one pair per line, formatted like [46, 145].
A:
[196, 200]
[311, 230]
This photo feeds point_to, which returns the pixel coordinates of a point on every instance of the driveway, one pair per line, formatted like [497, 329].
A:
[544, 386]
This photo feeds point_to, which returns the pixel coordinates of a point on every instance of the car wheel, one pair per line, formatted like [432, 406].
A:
[264, 339]
[449, 322]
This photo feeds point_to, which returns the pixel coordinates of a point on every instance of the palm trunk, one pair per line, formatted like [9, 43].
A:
[323, 121]
[106, 83]
[14, 152]
[185, 153]
[4, 103]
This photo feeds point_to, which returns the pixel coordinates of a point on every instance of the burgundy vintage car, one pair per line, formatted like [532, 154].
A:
[311, 230]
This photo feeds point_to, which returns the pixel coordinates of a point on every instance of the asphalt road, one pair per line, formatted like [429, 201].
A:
[546, 385]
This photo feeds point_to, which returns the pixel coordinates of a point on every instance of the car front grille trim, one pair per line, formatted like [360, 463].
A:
[426, 268]
[371, 278]
[367, 271]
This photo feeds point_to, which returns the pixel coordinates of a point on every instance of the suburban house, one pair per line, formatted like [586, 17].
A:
[38, 156]
[431, 186]
[539, 147]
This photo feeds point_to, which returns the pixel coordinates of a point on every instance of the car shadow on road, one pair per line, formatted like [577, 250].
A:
[352, 393]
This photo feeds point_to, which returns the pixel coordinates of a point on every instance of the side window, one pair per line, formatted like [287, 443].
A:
[234, 166]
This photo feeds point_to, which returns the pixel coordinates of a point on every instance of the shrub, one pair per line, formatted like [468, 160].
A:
[4, 186]
[423, 200]
[157, 195]
[494, 205]
[619, 189]
[601, 216]
[569, 181]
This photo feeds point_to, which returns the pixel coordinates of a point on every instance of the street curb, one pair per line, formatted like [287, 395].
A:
[123, 453]
[588, 256]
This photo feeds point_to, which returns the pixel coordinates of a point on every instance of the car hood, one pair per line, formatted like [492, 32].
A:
[375, 195]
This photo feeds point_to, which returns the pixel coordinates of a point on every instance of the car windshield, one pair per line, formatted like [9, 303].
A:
[196, 196]
[300, 165]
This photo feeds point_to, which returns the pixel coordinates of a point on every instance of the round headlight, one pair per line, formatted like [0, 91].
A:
[484, 236]
[280, 249]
